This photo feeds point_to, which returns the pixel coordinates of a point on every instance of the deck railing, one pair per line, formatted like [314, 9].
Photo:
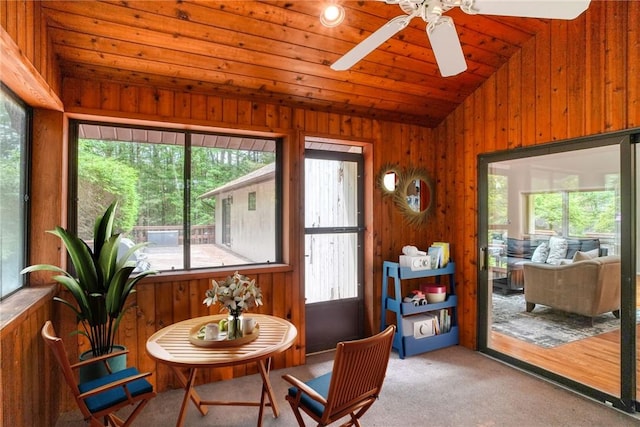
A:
[174, 234]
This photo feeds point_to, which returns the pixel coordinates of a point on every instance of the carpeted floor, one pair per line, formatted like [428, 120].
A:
[453, 387]
[545, 326]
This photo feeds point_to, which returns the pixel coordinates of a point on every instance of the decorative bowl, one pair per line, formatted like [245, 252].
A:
[435, 293]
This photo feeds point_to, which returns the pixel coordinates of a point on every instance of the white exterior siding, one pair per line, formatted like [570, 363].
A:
[252, 233]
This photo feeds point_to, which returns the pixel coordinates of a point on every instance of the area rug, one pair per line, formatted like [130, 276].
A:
[545, 326]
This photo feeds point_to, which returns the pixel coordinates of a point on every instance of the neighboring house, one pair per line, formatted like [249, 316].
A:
[245, 213]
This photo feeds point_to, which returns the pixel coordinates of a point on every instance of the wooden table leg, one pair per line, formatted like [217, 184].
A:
[189, 393]
[267, 390]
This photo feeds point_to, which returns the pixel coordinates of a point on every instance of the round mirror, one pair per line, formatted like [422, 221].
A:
[389, 181]
[388, 178]
[414, 195]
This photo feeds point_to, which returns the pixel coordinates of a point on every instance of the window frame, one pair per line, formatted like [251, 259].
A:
[25, 179]
[74, 125]
[565, 201]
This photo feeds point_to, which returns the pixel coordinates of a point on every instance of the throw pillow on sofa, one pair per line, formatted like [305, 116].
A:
[557, 250]
[581, 256]
[541, 253]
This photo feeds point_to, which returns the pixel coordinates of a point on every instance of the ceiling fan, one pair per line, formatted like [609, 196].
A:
[442, 32]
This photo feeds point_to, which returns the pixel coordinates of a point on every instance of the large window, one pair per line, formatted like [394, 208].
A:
[577, 213]
[199, 200]
[14, 140]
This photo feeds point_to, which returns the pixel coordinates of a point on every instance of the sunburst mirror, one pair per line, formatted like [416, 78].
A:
[414, 195]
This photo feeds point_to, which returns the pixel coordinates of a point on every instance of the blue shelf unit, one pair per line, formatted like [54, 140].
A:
[408, 345]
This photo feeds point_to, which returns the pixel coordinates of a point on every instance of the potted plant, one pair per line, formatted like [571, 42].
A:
[101, 282]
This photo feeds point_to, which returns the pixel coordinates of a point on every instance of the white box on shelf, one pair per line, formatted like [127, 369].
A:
[419, 325]
[415, 263]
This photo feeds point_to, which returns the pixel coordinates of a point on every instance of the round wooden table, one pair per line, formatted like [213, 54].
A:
[171, 346]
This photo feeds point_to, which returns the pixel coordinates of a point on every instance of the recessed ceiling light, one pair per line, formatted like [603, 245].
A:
[332, 16]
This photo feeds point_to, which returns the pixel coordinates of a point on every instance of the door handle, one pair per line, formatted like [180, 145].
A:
[483, 258]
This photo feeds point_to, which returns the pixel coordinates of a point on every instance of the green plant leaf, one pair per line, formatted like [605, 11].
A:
[108, 257]
[77, 291]
[103, 228]
[81, 258]
[118, 292]
[44, 267]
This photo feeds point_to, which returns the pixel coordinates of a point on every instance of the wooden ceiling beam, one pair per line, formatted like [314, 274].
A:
[23, 79]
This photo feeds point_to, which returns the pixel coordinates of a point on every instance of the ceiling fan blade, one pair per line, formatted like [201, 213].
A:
[551, 9]
[446, 46]
[376, 38]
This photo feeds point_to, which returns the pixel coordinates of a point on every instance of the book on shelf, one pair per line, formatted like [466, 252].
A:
[442, 321]
[435, 253]
[446, 253]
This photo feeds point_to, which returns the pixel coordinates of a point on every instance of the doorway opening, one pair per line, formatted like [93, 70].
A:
[334, 246]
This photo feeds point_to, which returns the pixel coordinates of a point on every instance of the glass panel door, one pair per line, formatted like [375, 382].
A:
[333, 248]
[550, 279]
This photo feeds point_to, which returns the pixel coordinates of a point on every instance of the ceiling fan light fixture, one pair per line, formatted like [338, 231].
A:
[332, 15]
[446, 46]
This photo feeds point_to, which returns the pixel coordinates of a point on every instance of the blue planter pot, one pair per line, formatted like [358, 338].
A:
[97, 370]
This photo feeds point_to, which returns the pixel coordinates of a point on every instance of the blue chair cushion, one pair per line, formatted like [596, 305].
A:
[116, 395]
[321, 386]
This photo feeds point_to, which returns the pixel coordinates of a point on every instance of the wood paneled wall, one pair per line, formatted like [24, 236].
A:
[29, 378]
[28, 66]
[181, 297]
[575, 79]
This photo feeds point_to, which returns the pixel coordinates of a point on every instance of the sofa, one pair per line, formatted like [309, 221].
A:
[589, 287]
[514, 253]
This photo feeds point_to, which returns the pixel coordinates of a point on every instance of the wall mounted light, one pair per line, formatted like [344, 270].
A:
[332, 15]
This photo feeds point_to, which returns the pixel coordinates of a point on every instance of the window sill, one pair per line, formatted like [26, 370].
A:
[17, 307]
[249, 270]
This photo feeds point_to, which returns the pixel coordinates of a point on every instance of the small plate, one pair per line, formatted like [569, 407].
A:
[222, 340]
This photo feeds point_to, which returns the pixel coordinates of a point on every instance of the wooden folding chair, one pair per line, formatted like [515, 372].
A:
[98, 399]
[350, 388]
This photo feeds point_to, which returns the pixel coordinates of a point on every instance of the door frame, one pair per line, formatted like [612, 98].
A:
[626, 401]
[335, 308]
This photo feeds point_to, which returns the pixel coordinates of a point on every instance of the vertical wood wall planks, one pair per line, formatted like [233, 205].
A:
[514, 101]
[543, 87]
[558, 69]
[490, 106]
[528, 93]
[616, 65]
[594, 72]
[633, 64]
[109, 96]
[595, 86]
[165, 100]
[140, 99]
[134, 99]
[145, 315]
[576, 95]
[244, 112]
[214, 108]
[182, 106]
[502, 108]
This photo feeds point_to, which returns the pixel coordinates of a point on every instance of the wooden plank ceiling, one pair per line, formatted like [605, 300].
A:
[279, 52]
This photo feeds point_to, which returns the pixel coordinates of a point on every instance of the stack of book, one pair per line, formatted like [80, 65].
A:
[439, 254]
[442, 321]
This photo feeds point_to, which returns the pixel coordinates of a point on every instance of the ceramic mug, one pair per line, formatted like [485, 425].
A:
[211, 331]
[248, 324]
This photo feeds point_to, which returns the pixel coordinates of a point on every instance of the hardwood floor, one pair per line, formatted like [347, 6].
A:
[594, 361]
